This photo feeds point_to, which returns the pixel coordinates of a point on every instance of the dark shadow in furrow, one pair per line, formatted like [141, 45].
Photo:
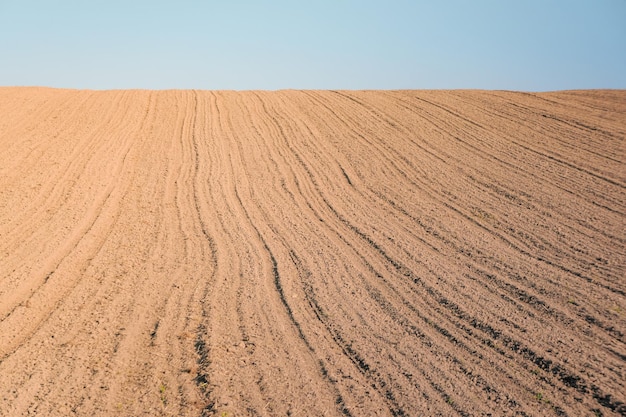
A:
[345, 175]
[276, 276]
[201, 379]
[607, 328]
[202, 376]
[154, 331]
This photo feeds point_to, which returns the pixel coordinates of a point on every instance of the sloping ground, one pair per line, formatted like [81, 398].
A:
[312, 253]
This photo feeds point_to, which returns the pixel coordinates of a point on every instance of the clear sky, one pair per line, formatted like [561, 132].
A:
[532, 45]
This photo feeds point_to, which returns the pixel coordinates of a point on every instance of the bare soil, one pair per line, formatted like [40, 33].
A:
[312, 253]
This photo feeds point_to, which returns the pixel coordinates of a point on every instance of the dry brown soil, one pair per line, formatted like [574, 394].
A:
[304, 253]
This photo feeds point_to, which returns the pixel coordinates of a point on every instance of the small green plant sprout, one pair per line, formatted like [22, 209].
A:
[542, 398]
[162, 389]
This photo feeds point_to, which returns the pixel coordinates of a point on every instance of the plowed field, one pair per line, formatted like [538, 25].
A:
[305, 253]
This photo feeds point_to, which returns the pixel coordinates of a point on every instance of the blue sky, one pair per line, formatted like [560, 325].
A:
[531, 45]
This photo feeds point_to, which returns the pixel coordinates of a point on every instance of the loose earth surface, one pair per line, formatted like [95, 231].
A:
[312, 253]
